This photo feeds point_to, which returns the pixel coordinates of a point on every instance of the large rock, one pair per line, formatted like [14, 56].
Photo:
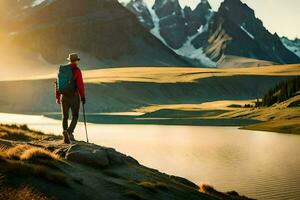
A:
[88, 156]
[96, 156]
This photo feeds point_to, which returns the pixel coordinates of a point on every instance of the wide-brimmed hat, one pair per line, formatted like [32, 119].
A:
[73, 57]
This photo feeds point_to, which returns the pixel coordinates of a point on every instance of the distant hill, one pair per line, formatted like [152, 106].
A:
[282, 92]
[127, 89]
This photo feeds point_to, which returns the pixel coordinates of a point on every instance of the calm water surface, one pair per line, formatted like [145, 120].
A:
[259, 164]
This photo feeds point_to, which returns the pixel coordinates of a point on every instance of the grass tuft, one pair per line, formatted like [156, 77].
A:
[15, 152]
[21, 133]
[37, 154]
[206, 188]
[133, 195]
[153, 185]
[19, 169]
[23, 192]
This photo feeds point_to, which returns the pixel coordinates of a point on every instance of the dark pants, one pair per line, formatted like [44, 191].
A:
[70, 102]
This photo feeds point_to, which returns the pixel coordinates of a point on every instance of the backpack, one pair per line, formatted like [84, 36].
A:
[65, 82]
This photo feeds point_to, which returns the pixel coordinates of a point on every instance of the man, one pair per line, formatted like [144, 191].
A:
[69, 91]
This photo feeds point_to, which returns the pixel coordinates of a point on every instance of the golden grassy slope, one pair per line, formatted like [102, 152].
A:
[280, 117]
[180, 74]
[214, 105]
[175, 74]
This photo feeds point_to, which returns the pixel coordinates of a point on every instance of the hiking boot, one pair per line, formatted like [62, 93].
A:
[66, 137]
[71, 137]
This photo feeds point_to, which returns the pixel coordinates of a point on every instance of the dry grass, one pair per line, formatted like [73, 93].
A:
[27, 161]
[21, 133]
[181, 74]
[29, 153]
[175, 74]
[290, 126]
[23, 192]
[208, 189]
[205, 188]
[36, 154]
[133, 195]
[214, 105]
[15, 152]
[18, 169]
[153, 185]
[281, 117]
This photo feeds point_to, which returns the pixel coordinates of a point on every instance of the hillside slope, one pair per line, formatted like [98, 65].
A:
[41, 167]
[282, 117]
[127, 89]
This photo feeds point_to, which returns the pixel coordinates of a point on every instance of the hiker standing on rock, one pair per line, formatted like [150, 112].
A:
[69, 90]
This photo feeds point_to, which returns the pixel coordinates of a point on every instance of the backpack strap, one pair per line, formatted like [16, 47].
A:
[74, 71]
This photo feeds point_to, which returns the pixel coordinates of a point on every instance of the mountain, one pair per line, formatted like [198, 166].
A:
[235, 30]
[292, 45]
[232, 36]
[103, 32]
[140, 9]
[183, 30]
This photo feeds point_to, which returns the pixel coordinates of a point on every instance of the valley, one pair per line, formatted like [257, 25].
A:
[157, 95]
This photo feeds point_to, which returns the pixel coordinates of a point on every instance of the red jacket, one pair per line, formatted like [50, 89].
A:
[79, 83]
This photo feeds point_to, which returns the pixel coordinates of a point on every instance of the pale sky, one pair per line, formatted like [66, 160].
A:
[281, 16]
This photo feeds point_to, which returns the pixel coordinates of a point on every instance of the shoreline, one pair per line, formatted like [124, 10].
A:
[81, 170]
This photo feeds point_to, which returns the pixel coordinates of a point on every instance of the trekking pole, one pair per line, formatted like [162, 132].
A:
[86, 134]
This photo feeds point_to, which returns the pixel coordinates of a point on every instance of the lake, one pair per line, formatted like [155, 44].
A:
[258, 164]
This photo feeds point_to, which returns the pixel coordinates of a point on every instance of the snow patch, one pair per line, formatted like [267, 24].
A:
[247, 32]
[156, 30]
[38, 2]
[188, 50]
[292, 46]
[140, 6]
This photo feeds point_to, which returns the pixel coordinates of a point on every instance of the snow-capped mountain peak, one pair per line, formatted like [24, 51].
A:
[181, 29]
[292, 45]
[204, 37]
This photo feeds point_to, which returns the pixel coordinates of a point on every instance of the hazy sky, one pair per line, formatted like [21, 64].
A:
[281, 16]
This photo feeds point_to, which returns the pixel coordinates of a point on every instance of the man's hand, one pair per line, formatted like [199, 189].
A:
[83, 100]
[58, 101]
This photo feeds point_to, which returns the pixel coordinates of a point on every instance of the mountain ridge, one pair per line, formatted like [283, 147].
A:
[103, 32]
[204, 37]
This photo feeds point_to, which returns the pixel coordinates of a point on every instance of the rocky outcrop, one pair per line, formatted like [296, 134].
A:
[95, 156]
[89, 171]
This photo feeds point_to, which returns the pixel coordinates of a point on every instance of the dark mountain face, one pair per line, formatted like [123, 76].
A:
[171, 22]
[185, 31]
[101, 30]
[234, 30]
[232, 34]
[292, 45]
[140, 9]
[197, 17]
